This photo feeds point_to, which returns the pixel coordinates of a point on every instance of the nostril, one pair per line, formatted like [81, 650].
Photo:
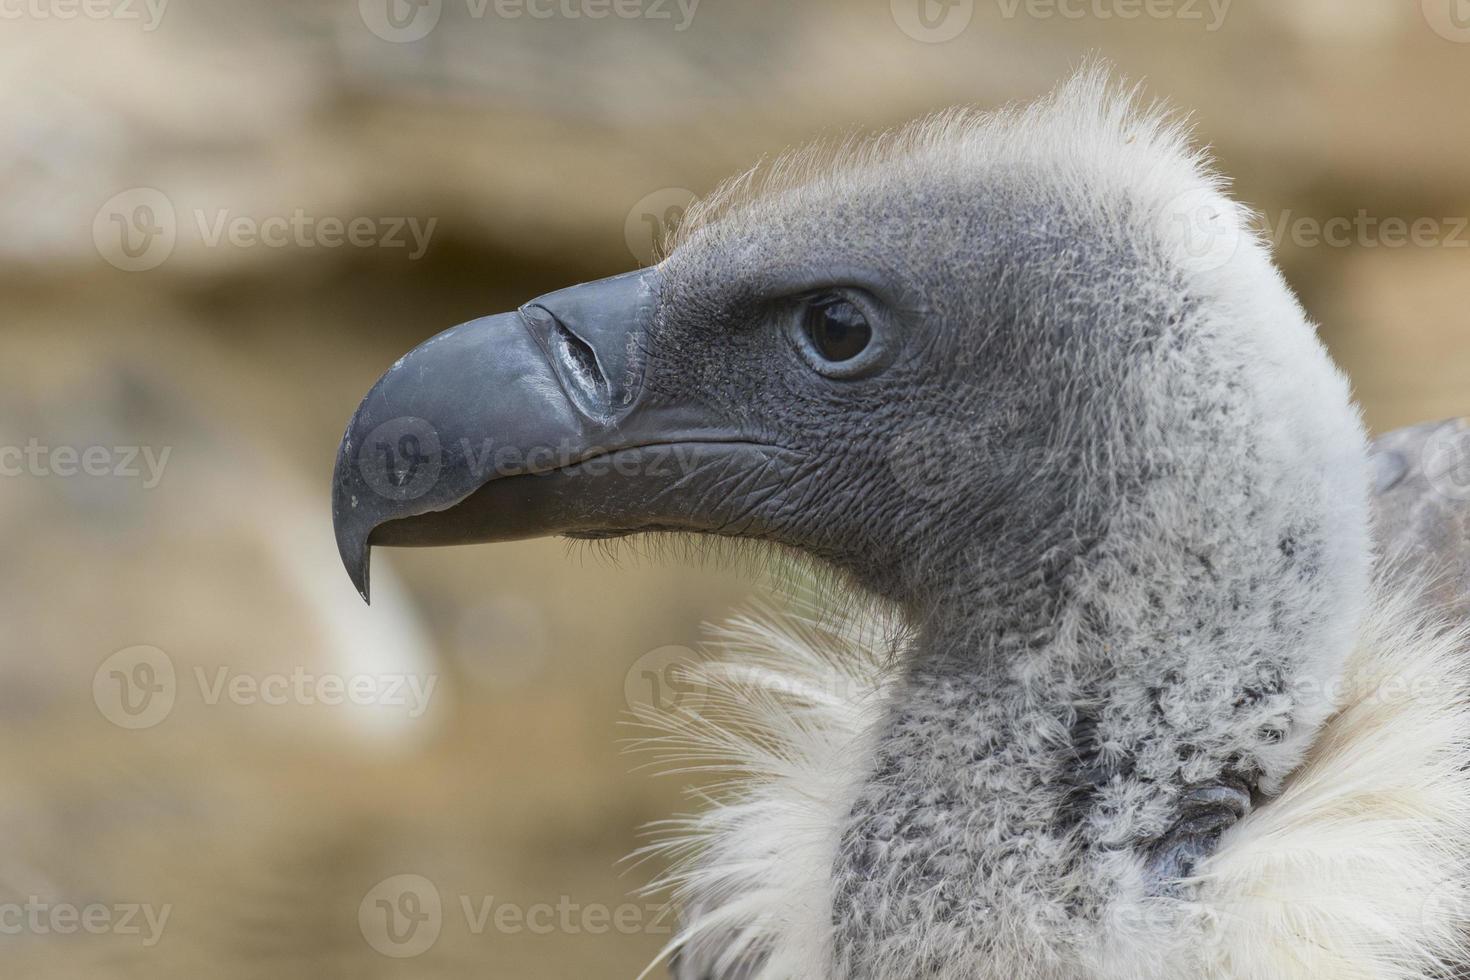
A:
[578, 356]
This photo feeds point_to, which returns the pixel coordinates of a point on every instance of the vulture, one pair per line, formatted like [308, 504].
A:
[1148, 664]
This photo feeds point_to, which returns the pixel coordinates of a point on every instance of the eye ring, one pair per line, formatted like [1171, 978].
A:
[840, 333]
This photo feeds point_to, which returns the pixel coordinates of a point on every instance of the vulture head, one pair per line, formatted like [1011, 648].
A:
[1027, 378]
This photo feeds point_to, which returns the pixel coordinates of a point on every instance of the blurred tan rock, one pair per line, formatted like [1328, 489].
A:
[528, 143]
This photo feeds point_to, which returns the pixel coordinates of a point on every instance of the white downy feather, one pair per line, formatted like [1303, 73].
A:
[1357, 870]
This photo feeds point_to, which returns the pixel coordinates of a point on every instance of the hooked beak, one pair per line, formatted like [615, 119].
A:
[532, 423]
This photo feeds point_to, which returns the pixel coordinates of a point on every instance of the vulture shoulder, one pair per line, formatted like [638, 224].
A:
[1422, 506]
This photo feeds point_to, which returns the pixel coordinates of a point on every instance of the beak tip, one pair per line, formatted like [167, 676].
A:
[357, 560]
[360, 581]
[354, 549]
[352, 528]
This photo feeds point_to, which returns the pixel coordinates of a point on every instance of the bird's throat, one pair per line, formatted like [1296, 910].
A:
[1033, 786]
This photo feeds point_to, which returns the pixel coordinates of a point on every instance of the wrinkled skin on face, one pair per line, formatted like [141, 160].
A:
[912, 470]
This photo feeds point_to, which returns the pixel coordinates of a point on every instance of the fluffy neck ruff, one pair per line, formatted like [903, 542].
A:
[1133, 643]
[1102, 689]
[1356, 869]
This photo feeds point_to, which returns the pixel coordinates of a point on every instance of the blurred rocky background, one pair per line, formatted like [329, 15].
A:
[223, 220]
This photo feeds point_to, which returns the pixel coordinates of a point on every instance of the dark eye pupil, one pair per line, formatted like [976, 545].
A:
[838, 329]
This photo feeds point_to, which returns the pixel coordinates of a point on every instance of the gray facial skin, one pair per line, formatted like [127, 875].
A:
[701, 352]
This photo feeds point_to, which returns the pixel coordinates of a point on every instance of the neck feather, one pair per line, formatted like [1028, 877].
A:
[1102, 687]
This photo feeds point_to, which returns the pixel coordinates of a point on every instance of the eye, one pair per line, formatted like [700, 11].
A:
[842, 333]
[837, 330]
